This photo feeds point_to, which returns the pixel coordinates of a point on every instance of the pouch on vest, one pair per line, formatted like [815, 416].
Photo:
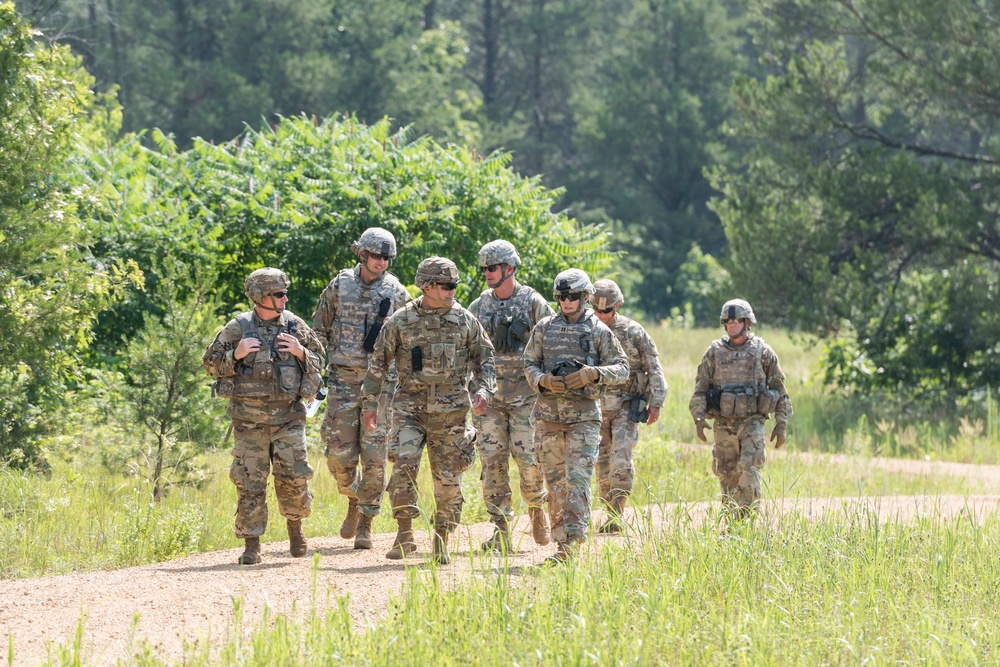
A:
[417, 358]
[767, 401]
[742, 406]
[224, 388]
[727, 404]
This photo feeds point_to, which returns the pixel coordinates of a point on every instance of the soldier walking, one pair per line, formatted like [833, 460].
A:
[508, 311]
[442, 355]
[266, 361]
[739, 383]
[569, 358]
[625, 406]
[350, 314]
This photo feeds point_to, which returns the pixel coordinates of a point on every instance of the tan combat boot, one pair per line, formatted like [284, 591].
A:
[350, 525]
[440, 554]
[540, 530]
[363, 538]
[613, 525]
[297, 545]
[562, 555]
[251, 555]
[404, 543]
[500, 541]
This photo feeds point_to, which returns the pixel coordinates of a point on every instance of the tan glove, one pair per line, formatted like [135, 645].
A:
[778, 433]
[701, 425]
[582, 377]
[553, 383]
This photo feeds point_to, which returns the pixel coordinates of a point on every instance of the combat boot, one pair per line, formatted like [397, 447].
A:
[297, 545]
[350, 525]
[363, 538]
[404, 543]
[500, 541]
[440, 554]
[564, 552]
[251, 555]
[613, 525]
[540, 530]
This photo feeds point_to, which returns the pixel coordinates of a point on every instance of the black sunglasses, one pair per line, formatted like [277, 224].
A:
[575, 296]
[279, 295]
[377, 255]
[605, 311]
[491, 268]
[741, 320]
[447, 287]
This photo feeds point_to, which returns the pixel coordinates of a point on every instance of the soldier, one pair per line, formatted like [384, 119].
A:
[569, 358]
[739, 383]
[436, 345]
[624, 406]
[266, 361]
[348, 318]
[508, 311]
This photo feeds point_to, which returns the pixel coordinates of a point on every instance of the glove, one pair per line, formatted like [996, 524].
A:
[701, 425]
[778, 434]
[582, 377]
[553, 383]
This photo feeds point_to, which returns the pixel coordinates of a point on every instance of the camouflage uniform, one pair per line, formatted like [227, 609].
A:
[347, 312]
[568, 424]
[268, 413]
[746, 385]
[435, 352]
[506, 429]
[619, 434]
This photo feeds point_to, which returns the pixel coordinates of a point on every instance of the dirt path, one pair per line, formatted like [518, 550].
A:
[185, 601]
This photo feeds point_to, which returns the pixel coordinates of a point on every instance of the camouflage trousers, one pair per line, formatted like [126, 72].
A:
[450, 443]
[256, 448]
[737, 458]
[615, 470]
[355, 455]
[568, 453]
[506, 431]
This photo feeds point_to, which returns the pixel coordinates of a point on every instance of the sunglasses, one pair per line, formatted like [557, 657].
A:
[447, 287]
[605, 311]
[575, 296]
[377, 255]
[491, 268]
[280, 295]
[741, 320]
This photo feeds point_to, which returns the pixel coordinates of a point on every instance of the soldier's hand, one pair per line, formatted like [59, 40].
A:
[582, 377]
[654, 415]
[553, 383]
[778, 435]
[479, 403]
[246, 346]
[289, 343]
[701, 425]
[370, 418]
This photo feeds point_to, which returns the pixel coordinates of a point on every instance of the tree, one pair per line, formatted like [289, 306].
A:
[867, 204]
[51, 287]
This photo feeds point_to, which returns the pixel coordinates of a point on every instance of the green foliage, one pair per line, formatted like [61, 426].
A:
[866, 205]
[704, 285]
[50, 286]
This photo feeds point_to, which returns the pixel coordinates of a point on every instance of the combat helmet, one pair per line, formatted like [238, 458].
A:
[735, 309]
[499, 252]
[436, 270]
[607, 294]
[264, 281]
[377, 240]
[570, 281]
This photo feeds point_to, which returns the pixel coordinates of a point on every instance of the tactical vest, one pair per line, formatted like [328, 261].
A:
[739, 376]
[358, 310]
[564, 343]
[266, 373]
[508, 324]
[433, 347]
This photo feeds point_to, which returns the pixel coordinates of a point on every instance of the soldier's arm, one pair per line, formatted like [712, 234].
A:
[776, 381]
[481, 357]
[698, 406]
[326, 312]
[378, 366]
[218, 358]
[650, 361]
[315, 352]
[533, 359]
[614, 364]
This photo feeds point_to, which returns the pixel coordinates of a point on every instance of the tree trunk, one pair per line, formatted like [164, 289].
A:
[158, 470]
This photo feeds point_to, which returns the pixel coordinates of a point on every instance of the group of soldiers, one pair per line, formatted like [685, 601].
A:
[560, 393]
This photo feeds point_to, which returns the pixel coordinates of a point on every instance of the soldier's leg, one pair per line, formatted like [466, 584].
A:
[341, 430]
[493, 442]
[583, 441]
[753, 456]
[725, 458]
[374, 453]
[451, 451]
[624, 436]
[603, 465]
[551, 441]
[249, 471]
[525, 453]
[292, 472]
[407, 441]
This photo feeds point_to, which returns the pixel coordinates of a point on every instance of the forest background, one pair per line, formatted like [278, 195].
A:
[832, 162]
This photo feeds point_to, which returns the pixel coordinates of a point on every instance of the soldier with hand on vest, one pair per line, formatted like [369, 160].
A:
[739, 384]
[348, 319]
[268, 363]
